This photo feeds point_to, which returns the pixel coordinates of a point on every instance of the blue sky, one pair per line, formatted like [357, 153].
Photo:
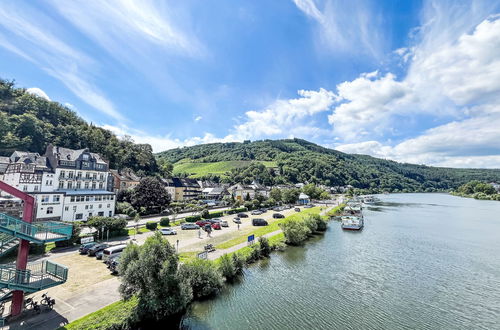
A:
[414, 81]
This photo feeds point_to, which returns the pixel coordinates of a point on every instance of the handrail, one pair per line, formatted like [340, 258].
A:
[37, 276]
[38, 231]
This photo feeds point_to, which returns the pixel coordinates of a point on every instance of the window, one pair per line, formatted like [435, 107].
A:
[101, 214]
[45, 198]
[50, 210]
[70, 185]
[100, 206]
[36, 188]
[110, 213]
[79, 175]
[93, 185]
[91, 206]
[101, 177]
[79, 216]
[85, 157]
[25, 188]
[66, 208]
[86, 185]
[56, 198]
[112, 197]
[86, 207]
[87, 175]
[78, 185]
[100, 185]
[62, 175]
[94, 176]
[87, 198]
[109, 205]
[70, 175]
[61, 184]
[90, 214]
[72, 198]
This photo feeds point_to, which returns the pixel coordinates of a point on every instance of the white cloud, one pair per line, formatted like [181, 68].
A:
[38, 92]
[358, 32]
[283, 116]
[198, 118]
[70, 66]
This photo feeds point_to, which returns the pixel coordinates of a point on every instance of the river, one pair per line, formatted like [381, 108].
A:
[423, 261]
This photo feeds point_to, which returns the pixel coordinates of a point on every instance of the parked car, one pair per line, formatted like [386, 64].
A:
[215, 220]
[297, 209]
[259, 222]
[242, 215]
[189, 226]
[263, 210]
[110, 260]
[96, 248]
[278, 216]
[84, 249]
[113, 265]
[237, 220]
[99, 254]
[224, 223]
[168, 231]
[308, 206]
[202, 223]
[216, 226]
[112, 251]
[257, 212]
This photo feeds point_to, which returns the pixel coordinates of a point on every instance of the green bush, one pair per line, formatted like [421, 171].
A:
[151, 225]
[238, 263]
[311, 223]
[204, 277]
[237, 210]
[215, 215]
[295, 231]
[254, 254]
[192, 218]
[265, 248]
[226, 267]
[37, 248]
[205, 214]
[165, 222]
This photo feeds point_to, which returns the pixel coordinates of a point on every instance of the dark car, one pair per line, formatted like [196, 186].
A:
[308, 206]
[113, 266]
[96, 248]
[278, 216]
[216, 226]
[259, 222]
[99, 254]
[84, 249]
[263, 210]
[297, 209]
[242, 215]
[109, 262]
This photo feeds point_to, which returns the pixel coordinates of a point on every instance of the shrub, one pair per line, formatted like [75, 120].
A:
[321, 225]
[37, 248]
[265, 248]
[165, 222]
[204, 277]
[254, 254]
[192, 218]
[215, 215]
[151, 225]
[311, 223]
[237, 210]
[238, 263]
[205, 214]
[226, 267]
[295, 231]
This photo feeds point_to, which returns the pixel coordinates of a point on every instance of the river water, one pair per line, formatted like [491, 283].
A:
[423, 261]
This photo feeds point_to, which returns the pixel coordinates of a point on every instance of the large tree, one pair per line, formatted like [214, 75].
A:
[151, 195]
[151, 272]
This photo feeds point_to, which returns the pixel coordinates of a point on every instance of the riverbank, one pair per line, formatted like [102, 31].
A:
[106, 316]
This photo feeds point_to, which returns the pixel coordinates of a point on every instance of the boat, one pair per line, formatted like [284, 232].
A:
[352, 222]
[369, 200]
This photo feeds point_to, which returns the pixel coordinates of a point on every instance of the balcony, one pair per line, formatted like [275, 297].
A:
[37, 276]
[41, 232]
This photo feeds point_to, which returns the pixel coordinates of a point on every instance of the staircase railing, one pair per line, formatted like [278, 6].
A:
[37, 276]
[5, 239]
[43, 231]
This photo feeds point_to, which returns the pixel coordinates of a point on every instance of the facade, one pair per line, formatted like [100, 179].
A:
[181, 189]
[67, 184]
[240, 191]
[304, 199]
[4, 162]
[124, 180]
[216, 193]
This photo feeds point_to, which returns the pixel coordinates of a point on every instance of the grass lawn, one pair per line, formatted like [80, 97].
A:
[104, 318]
[141, 230]
[268, 229]
[202, 169]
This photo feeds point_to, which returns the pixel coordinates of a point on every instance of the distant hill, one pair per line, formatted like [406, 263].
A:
[30, 123]
[296, 160]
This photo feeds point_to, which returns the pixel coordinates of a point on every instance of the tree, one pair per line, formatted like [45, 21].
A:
[204, 277]
[165, 167]
[150, 194]
[247, 197]
[275, 194]
[265, 248]
[290, 196]
[151, 272]
[295, 230]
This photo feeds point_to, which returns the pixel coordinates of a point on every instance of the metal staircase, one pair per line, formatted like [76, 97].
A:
[42, 232]
[37, 276]
[7, 243]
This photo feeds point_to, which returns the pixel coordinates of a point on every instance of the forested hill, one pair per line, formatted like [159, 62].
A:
[30, 123]
[296, 160]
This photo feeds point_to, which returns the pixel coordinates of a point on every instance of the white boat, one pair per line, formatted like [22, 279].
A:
[369, 200]
[352, 222]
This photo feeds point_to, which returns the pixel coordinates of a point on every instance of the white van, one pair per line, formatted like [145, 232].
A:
[112, 250]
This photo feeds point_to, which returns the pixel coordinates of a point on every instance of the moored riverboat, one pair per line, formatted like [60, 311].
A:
[352, 222]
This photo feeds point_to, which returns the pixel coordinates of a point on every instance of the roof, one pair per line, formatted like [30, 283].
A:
[303, 196]
[72, 155]
[125, 175]
[82, 192]
[24, 157]
[217, 191]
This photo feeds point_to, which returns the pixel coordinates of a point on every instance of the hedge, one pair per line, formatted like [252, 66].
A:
[193, 218]
[237, 210]
[165, 222]
[215, 215]
[151, 225]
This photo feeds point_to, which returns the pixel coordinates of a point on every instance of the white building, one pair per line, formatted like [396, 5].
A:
[69, 185]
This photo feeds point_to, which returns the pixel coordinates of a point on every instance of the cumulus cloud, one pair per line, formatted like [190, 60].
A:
[198, 118]
[38, 92]
[283, 116]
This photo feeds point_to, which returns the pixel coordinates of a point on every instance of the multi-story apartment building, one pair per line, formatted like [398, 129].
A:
[125, 179]
[69, 185]
[182, 188]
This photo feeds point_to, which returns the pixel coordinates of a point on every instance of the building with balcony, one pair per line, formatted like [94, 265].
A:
[181, 189]
[125, 179]
[68, 185]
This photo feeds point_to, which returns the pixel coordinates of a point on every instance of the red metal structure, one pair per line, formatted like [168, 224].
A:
[24, 245]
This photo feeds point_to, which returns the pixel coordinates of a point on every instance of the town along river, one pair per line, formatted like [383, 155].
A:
[423, 261]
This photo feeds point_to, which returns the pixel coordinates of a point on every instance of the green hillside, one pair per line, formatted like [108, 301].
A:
[198, 170]
[30, 123]
[302, 161]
